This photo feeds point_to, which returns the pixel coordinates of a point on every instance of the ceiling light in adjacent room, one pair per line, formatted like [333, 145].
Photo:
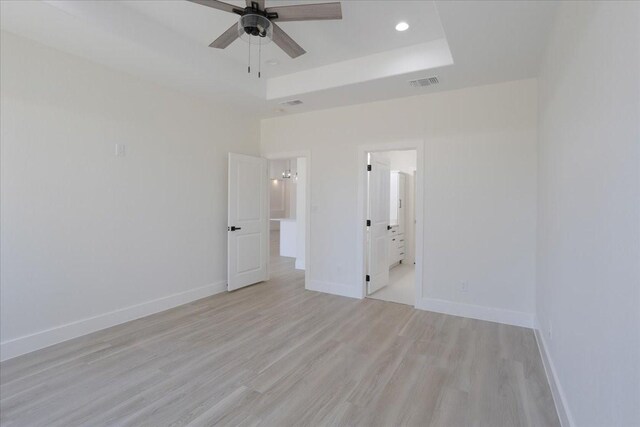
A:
[402, 26]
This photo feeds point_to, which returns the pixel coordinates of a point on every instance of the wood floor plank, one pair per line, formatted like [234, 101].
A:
[275, 354]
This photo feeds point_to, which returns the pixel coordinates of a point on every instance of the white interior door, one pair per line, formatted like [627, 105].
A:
[248, 227]
[378, 234]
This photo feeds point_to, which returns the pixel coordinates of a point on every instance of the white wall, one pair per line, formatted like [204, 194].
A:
[301, 212]
[588, 290]
[85, 234]
[277, 202]
[282, 192]
[277, 206]
[480, 191]
[291, 193]
[404, 161]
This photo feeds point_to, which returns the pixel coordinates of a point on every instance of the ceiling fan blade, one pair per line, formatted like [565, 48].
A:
[306, 12]
[259, 2]
[219, 5]
[226, 38]
[286, 43]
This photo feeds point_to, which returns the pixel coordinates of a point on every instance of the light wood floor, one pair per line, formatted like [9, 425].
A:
[275, 354]
[401, 287]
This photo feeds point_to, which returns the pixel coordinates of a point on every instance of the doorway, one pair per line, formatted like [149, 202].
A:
[391, 229]
[390, 195]
[252, 240]
[287, 215]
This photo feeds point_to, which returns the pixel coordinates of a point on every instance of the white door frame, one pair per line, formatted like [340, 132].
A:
[411, 144]
[307, 239]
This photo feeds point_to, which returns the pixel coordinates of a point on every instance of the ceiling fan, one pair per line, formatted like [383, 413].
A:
[258, 21]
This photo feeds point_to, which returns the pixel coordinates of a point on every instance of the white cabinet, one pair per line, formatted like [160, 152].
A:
[288, 237]
[396, 246]
[397, 206]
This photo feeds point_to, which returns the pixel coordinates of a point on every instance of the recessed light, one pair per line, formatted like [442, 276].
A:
[402, 26]
[272, 62]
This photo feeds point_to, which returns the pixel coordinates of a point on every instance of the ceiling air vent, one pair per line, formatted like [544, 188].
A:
[428, 81]
[291, 102]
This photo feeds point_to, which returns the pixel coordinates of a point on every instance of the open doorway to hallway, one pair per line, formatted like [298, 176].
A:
[391, 232]
[287, 215]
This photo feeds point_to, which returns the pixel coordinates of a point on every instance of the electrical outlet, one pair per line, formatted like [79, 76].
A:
[120, 150]
[550, 331]
[464, 287]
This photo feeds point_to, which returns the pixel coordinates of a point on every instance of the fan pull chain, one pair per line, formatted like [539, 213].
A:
[249, 66]
[259, 56]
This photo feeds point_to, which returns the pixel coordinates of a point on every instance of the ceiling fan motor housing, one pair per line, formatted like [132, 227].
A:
[253, 24]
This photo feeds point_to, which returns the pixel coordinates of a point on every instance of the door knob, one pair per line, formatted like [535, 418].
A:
[234, 228]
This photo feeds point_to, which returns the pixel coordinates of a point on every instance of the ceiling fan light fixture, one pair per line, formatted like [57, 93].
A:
[256, 20]
[254, 25]
[402, 26]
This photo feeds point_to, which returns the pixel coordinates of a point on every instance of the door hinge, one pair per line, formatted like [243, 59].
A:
[367, 278]
[369, 168]
[368, 223]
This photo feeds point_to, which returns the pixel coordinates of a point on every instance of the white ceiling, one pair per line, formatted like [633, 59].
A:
[326, 42]
[357, 59]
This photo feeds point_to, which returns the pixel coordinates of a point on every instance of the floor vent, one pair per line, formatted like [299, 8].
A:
[291, 102]
[428, 81]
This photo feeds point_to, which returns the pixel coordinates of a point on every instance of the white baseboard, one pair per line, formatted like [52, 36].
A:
[559, 398]
[28, 343]
[335, 289]
[490, 314]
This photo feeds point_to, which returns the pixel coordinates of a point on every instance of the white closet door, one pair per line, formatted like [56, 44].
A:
[378, 236]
